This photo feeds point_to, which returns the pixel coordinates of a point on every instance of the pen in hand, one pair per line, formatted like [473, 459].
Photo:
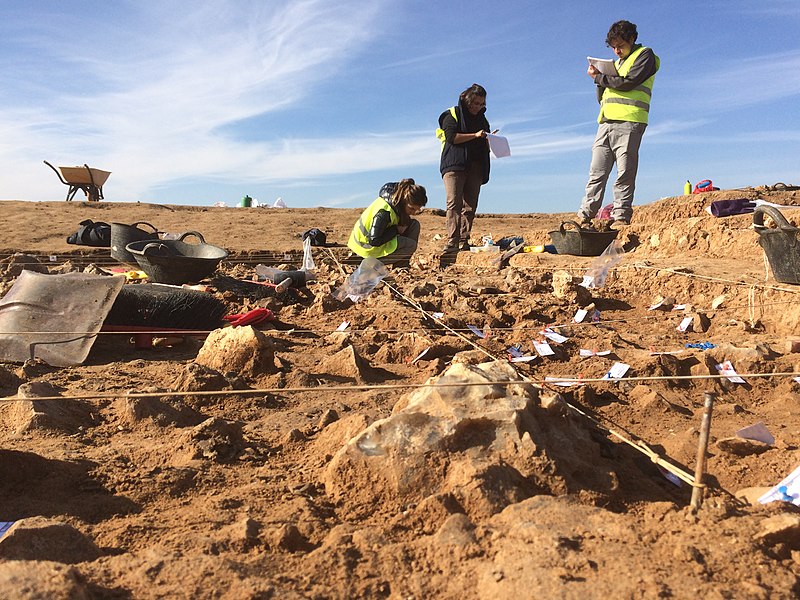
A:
[495, 131]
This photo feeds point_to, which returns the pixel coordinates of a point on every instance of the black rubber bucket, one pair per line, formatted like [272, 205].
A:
[122, 235]
[581, 242]
[780, 244]
[175, 261]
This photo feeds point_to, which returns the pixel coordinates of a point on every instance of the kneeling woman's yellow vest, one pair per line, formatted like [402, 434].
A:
[633, 105]
[359, 238]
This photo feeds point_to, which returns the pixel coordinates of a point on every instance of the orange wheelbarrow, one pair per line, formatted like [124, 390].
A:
[89, 181]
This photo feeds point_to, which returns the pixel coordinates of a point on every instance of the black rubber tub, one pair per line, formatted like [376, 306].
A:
[122, 235]
[580, 242]
[780, 244]
[175, 261]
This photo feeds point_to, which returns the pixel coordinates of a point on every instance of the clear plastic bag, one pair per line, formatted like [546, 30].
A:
[596, 276]
[363, 280]
[308, 259]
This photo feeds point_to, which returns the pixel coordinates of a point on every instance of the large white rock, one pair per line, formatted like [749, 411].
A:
[466, 438]
[242, 350]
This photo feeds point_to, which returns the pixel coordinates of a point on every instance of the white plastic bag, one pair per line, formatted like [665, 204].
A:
[363, 280]
[595, 277]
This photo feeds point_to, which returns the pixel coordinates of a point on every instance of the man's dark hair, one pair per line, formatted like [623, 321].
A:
[622, 30]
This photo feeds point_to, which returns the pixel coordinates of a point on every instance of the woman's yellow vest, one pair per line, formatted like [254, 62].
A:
[633, 105]
[359, 237]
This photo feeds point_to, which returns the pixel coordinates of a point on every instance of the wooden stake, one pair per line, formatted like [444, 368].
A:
[702, 448]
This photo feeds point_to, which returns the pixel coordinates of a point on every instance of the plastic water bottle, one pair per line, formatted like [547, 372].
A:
[687, 188]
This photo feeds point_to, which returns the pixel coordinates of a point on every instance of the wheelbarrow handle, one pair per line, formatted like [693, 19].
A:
[57, 172]
[194, 233]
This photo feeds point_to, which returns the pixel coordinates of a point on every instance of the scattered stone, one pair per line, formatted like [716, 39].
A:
[245, 350]
[294, 435]
[567, 287]
[664, 302]
[162, 412]
[457, 530]
[40, 580]
[780, 529]
[213, 439]
[288, 537]
[32, 368]
[325, 302]
[646, 398]
[197, 377]
[741, 446]
[328, 417]
[792, 345]
[245, 532]
[347, 363]
[13, 266]
[700, 322]
[68, 416]
[751, 494]
[553, 403]
[718, 302]
[39, 539]
[8, 379]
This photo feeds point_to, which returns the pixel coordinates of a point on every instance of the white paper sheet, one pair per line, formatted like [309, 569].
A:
[617, 371]
[585, 352]
[553, 336]
[728, 371]
[758, 432]
[556, 381]
[605, 65]
[787, 490]
[498, 145]
[517, 359]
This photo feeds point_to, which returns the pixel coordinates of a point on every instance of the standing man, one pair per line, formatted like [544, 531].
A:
[624, 105]
[464, 163]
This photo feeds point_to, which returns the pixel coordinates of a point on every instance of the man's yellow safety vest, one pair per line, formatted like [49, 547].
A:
[633, 105]
[359, 237]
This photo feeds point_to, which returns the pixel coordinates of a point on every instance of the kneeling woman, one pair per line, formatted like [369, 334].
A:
[385, 229]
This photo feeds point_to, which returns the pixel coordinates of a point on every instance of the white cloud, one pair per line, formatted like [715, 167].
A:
[154, 107]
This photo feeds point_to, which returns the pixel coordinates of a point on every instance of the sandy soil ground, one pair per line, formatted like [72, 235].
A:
[255, 490]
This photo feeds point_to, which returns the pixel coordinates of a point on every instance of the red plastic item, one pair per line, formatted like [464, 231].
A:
[704, 186]
[252, 317]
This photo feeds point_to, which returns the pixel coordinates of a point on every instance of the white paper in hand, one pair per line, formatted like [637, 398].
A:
[498, 145]
[605, 65]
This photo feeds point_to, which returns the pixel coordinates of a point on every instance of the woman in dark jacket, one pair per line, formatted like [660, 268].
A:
[464, 163]
[385, 230]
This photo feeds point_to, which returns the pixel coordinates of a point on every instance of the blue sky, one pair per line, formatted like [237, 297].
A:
[321, 102]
